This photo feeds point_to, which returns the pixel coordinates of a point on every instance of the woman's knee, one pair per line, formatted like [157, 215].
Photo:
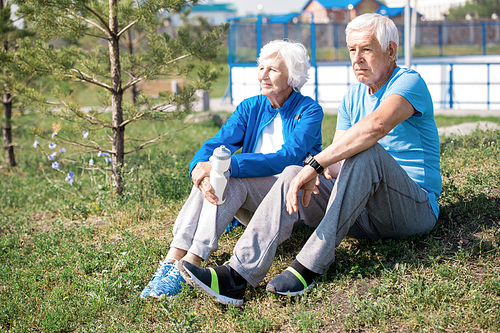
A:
[290, 172]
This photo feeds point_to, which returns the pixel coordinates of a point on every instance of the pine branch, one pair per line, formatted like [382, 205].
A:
[100, 19]
[11, 98]
[125, 29]
[89, 118]
[152, 141]
[95, 25]
[87, 78]
[131, 83]
[128, 121]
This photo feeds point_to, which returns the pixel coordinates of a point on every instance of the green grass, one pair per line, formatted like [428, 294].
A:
[73, 258]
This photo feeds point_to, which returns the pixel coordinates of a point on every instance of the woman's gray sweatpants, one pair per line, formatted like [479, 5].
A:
[200, 224]
[372, 198]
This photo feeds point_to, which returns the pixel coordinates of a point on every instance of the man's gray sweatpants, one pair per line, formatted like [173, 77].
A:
[372, 198]
[200, 224]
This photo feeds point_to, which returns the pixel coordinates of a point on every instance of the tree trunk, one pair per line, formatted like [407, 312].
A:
[7, 116]
[130, 46]
[116, 100]
[7, 129]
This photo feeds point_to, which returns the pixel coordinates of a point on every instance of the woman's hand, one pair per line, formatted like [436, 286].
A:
[307, 180]
[201, 179]
[200, 171]
[208, 191]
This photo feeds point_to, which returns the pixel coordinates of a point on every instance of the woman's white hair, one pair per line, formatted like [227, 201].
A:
[380, 26]
[294, 55]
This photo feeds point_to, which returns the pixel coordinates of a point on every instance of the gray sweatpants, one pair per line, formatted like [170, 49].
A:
[372, 198]
[200, 224]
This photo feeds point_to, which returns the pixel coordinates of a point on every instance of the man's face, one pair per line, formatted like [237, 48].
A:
[371, 65]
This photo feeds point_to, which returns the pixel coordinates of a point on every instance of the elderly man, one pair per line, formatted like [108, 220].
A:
[384, 157]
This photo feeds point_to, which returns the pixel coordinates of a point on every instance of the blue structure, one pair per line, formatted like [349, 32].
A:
[455, 82]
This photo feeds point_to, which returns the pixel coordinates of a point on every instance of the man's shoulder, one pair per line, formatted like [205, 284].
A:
[406, 76]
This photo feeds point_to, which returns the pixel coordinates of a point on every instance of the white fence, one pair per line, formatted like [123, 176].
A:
[461, 83]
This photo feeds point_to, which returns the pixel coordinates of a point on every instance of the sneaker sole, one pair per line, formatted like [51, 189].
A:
[168, 297]
[273, 290]
[200, 286]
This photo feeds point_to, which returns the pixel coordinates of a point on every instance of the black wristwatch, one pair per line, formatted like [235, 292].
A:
[310, 160]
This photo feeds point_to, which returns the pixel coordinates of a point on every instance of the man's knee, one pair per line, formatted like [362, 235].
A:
[367, 156]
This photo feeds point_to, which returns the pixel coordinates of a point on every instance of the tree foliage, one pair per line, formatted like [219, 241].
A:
[476, 8]
[111, 70]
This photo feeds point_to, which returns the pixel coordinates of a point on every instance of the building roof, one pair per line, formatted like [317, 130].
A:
[270, 18]
[343, 4]
[392, 11]
[282, 18]
[218, 7]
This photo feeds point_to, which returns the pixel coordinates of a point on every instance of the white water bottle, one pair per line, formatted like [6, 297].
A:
[219, 175]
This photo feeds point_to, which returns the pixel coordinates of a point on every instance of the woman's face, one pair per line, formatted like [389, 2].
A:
[273, 78]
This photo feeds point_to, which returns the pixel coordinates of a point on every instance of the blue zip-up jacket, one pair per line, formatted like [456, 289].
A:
[301, 117]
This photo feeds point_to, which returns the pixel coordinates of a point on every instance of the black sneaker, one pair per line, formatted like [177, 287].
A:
[215, 282]
[288, 283]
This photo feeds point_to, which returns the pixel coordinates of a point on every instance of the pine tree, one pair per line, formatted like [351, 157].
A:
[7, 30]
[106, 67]
[14, 84]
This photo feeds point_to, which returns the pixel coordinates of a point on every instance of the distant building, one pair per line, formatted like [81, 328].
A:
[342, 11]
[397, 14]
[215, 14]
[431, 10]
[337, 11]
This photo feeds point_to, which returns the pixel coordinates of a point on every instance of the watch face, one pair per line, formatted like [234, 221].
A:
[308, 160]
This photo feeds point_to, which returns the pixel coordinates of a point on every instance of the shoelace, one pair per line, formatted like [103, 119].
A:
[165, 267]
[171, 284]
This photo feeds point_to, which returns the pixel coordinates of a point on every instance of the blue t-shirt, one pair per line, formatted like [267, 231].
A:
[414, 143]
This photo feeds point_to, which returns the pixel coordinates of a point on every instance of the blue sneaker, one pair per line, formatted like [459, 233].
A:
[169, 285]
[164, 268]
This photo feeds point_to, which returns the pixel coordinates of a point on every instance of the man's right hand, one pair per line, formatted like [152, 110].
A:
[306, 180]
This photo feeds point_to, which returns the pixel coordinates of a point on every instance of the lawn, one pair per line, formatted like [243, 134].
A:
[75, 258]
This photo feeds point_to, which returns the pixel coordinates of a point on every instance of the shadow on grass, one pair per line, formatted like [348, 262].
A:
[471, 224]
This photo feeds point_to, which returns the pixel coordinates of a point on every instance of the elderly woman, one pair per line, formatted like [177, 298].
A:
[276, 129]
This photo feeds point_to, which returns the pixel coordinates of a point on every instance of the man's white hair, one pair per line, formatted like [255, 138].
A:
[294, 55]
[380, 26]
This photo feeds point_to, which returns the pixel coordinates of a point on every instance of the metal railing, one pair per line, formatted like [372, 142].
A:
[449, 89]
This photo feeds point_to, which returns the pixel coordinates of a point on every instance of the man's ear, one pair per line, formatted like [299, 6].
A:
[392, 50]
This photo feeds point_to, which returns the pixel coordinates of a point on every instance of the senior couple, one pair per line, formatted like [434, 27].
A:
[380, 177]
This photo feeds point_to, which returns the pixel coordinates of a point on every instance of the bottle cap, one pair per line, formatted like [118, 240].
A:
[221, 153]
